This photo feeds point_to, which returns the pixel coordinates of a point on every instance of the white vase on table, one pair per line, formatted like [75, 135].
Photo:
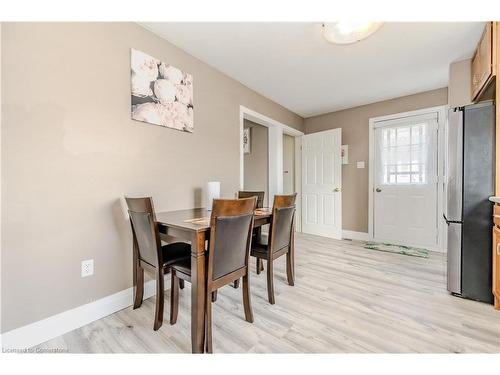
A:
[212, 192]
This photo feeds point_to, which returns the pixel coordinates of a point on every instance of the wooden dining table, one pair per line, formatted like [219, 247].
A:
[193, 225]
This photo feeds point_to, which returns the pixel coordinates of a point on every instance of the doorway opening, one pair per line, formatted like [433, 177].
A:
[275, 157]
[256, 159]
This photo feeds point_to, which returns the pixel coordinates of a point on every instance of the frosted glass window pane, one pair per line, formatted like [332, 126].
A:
[403, 154]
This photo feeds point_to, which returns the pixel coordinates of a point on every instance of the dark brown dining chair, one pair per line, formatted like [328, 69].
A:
[257, 232]
[258, 194]
[231, 226]
[280, 241]
[150, 254]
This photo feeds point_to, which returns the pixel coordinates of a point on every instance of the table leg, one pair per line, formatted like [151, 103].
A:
[198, 293]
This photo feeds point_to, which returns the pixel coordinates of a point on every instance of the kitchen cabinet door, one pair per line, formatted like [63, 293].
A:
[481, 68]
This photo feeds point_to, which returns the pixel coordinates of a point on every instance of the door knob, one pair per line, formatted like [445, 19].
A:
[336, 190]
[378, 190]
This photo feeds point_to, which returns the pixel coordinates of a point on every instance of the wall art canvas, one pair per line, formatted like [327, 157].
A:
[161, 93]
[246, 140]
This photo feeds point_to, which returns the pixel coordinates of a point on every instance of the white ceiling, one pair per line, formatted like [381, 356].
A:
[293, 65]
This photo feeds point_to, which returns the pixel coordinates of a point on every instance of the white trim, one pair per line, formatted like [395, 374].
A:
[275, 149]
[275, 159]
[298, 183]
[59, 324]
[353, 235]
[442, 119]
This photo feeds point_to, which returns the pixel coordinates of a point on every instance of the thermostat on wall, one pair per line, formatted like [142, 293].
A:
[360, 164]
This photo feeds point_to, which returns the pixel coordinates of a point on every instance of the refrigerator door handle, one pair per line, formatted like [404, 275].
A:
[448, 222]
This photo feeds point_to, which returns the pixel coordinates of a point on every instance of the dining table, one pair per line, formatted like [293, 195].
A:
[193, 225]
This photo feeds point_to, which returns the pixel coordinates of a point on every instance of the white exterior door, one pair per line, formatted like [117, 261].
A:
[405, 181]
[322, 184]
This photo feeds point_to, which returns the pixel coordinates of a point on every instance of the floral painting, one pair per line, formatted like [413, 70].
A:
[161, 94]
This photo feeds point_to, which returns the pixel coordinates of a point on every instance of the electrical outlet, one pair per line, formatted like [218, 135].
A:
[87, 267]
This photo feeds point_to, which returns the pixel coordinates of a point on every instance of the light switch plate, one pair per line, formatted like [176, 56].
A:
[360, 164]
[87, 267]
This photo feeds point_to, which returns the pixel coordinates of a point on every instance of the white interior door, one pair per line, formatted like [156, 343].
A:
[405, 181]
[322, 184]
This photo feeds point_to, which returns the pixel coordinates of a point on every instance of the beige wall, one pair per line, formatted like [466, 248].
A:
[459, 93]
[70, 150]
[354, 124]
[256, 164]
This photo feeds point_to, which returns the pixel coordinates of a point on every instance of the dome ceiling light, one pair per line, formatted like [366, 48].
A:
[347, 32]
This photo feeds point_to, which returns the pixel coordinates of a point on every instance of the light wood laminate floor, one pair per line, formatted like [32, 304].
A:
[345, 299]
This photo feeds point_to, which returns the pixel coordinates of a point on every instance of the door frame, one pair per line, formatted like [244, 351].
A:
[442, 119]
[276, 130]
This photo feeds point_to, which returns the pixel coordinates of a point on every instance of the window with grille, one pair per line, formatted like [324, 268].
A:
[403, 157]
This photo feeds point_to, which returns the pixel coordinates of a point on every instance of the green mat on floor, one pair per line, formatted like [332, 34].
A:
[397, 249]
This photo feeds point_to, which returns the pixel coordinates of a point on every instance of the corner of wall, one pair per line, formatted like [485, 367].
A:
[459, 83]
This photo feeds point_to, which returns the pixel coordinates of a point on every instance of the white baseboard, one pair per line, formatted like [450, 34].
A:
[57, 325]
[352, 235]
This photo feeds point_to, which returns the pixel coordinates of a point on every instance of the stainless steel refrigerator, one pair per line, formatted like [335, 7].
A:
[470, 182]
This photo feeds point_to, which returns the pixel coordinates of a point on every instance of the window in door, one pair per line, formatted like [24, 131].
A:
[403, 155]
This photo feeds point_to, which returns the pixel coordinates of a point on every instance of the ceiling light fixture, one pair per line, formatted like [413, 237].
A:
[347, 32]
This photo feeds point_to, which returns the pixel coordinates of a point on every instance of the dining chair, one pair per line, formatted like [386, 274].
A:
[280, 241]
[150, 254]
[247, 194]
[231, 224]
[257, 232]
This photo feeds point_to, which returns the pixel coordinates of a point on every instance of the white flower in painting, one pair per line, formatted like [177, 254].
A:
[190, 119]
[174, 115]
[140, 86]
[165, 91]
[174, 75]
[144, 65]
[147, 112]
[184, 94]
[188, 79]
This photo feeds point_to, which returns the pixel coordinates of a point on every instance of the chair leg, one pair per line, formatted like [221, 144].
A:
[236, 284]
[247, 302]
[289, 268]
[138, 287]
[214, 296]
[208, 335]
[181, 283]
[259, 265]
[270, 282]
[160, 299]
[174, 298]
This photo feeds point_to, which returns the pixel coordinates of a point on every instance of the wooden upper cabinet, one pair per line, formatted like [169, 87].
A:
[482, 63]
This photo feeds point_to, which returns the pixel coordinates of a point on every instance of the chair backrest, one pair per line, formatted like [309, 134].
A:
[142, 209]
[147, 237]
[141, 205]
[231, 225]
[282, 224]
[258, 194]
